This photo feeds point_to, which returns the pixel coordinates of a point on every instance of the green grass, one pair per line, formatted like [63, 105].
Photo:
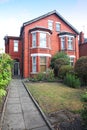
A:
[56, 96]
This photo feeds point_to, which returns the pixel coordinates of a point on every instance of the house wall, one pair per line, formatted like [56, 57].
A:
[55, 41]
[83, 49]
[9, 49]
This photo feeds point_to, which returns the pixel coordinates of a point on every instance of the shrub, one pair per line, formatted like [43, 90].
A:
[71, 81]
[64, 69]
[58, 63]
[2, 93]
[40, 76]
[5, 72]
[81, 69]
[57, 56]
[50, 75]
[84, 97]
[84, 111]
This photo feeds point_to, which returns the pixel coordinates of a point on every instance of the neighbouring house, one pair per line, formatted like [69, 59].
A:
[39, 40]
[82, 45]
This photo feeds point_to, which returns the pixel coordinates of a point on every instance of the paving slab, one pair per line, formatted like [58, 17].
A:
[21, 112]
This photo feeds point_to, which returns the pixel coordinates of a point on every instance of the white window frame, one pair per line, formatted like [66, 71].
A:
[72, 57]
[58, 26]
[62, 43]
[50, 24]
[16, 45]
[70, 43]
[33, 40]
[34, 64]
[43, 40]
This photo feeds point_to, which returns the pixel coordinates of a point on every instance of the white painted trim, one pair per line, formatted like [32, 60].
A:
[50, 21]
[58, 22]
[72, 56]
[40, 54]
[66, 36]
[40, 32]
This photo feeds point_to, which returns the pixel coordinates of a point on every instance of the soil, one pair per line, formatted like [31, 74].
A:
[65, 120]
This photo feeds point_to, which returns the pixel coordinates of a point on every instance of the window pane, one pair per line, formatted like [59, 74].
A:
[58, 27]
[42, 64]
[16, 45]
[33, 39]
[33, 64]
[42, 39]
[50, 25]
[71, 61]
[42, 60]
[62, 43]
[42, 68]
[70, 43]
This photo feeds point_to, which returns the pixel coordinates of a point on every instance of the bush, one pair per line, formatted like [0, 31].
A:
[71, 81]
[81, 69]
[84, 111]
[64, 69]
[58, 63]
[5, 72]
[57, 56]
[84, 97]
[50, 75]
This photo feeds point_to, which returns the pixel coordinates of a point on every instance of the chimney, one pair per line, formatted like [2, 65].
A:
[81, 38]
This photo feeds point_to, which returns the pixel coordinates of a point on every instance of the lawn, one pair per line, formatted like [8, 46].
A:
[56, 96]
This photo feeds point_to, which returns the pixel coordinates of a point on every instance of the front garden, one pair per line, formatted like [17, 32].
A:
[67, 96]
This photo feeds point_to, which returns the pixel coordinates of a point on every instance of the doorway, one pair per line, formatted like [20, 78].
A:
[16, 70]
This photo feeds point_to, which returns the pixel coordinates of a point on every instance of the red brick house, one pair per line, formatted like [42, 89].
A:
[39, 40]
[82, 45]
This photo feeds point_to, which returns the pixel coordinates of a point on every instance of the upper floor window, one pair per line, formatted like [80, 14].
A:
[43, 64]
[58, 26]
[62, 43]
[70, 43]
[34, 64]
[33, 40]
[42, 40]
[50, 24]
[15, 45]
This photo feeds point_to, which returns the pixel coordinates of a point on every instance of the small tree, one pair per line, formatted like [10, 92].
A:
[57, 56]
[81, 69]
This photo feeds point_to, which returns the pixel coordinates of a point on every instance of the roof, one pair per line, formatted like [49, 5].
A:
[66, 33]
[48, 14]
[40, 28]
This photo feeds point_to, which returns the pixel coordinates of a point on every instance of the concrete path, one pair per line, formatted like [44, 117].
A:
[21, 113]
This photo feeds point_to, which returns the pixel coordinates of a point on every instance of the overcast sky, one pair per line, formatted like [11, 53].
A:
[13, 13]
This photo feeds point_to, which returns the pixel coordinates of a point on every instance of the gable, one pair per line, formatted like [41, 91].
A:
[47, 15]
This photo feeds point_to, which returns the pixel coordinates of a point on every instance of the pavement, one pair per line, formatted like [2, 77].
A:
[21, 112]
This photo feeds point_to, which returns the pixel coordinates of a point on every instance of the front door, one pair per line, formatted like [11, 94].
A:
[16, 68]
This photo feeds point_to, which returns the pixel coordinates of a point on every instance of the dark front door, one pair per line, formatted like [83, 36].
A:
[16, 68]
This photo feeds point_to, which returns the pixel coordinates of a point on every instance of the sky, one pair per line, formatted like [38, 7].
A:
[13, 13]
